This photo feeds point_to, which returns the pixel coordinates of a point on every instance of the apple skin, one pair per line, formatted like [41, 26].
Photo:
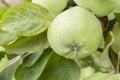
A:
[54, 7]
[75, 33]
[116, 32]
[99, 7]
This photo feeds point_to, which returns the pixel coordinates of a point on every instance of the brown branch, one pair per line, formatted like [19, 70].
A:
[4, 2]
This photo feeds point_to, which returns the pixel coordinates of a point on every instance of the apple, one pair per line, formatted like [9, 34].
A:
[75, 33]
[98, 7]
[54, 7]
[87, 72]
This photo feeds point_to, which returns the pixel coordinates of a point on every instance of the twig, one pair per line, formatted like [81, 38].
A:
[20, 56]
[4, 2]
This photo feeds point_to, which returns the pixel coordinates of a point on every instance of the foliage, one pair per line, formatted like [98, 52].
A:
[27, 53]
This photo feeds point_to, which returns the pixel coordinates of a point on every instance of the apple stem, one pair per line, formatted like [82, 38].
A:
[75, 48]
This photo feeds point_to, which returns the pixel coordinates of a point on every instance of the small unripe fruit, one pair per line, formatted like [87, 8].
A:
[53, 6]
[75, 33]
[87, 72]
[98, 7]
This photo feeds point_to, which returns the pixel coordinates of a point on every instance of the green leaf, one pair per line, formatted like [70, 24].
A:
[118, 63]
[7, 38]
[28, 44]
[26, 19]
[59, 68]
[2, 48]
[116, 32]
[32, 58]
[2, 55]
[85, 62]
[8, 73]
[103, 76]
[34, 71]
[102, 60]
[117, 16]
[4, 63]
[111, 16]
[28, 0]
[118, 75]
[3, 9]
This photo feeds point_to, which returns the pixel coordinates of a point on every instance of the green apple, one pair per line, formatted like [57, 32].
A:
[86, 72]
[53, 6]
[75, 33]
[116, 33]
[98, 7]
[116, 12]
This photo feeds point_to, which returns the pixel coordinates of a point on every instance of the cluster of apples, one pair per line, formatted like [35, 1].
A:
[76, 31]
